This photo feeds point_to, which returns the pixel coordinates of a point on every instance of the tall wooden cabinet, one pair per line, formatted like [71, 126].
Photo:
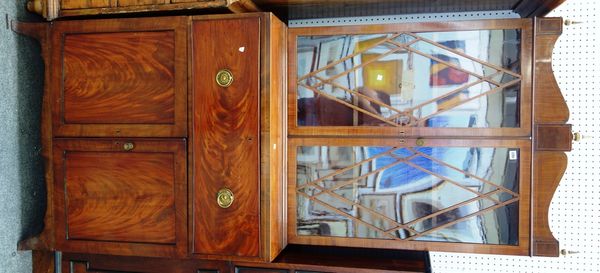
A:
[177, 144]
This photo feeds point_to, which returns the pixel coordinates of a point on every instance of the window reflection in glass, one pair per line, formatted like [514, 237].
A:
[459, 79]
[452, 194]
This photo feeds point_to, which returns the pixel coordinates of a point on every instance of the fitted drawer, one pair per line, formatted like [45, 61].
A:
[120, 195]
[124, 79]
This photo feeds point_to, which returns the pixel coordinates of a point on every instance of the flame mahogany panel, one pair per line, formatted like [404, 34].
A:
[123, 77]
[119, 78]
[226, 137]
[121, 202]
[103, 191]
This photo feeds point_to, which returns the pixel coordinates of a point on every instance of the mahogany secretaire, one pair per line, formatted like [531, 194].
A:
[230, 143]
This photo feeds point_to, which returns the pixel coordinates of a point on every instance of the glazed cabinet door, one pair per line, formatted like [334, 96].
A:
[425, 194]
[120, 196]
[119, 78]
[226, 140]
[431, 79]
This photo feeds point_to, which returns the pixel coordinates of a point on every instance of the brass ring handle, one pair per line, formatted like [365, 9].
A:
[225, 198]
[224, 78]
[577, 136]
[128, 146]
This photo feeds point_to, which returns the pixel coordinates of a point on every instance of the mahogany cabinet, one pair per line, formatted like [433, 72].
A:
[164, 137]
[425, 136]
[196, 144]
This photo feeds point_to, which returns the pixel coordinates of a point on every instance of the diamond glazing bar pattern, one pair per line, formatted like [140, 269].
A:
[407, 43]
[324, 191]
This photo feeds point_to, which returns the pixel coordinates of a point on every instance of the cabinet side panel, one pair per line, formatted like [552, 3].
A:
[276, 81]
[226, 140]
[552, 136]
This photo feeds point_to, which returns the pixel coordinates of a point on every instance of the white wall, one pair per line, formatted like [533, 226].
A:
[575, 209]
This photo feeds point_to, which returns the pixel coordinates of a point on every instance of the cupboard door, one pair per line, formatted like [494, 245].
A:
[120, 78]
[120, 196]
[451, 79]
[226, 137]
[425, 194]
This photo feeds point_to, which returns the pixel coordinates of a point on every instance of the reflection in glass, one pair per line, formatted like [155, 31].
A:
[457, 79]
[464, 194]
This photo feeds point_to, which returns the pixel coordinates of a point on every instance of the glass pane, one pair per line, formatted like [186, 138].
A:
[406, 192]
[458, 79]
[501, 225]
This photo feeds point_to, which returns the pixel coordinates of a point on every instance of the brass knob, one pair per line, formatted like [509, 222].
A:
[128, 146]
[225, 198]
[420, 142]
[577, 136]
[224, 78]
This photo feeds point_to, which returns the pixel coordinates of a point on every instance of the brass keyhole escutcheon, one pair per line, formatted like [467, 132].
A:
[128, 146]
[225, 198]
[224, 78]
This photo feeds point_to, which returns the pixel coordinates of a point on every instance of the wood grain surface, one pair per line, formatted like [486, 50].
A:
[550, 105]
[42, 261]
[295, 9]
[552, 139]
[309, 260]
[110, 200]
[273, 135]
[226, 139]
[120, 196]
[119, 77]
[78, 4]
[125, 3]
[549, 168]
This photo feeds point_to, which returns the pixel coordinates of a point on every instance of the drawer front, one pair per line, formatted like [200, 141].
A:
[226, 140]
[118, 195]
[121, 78]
